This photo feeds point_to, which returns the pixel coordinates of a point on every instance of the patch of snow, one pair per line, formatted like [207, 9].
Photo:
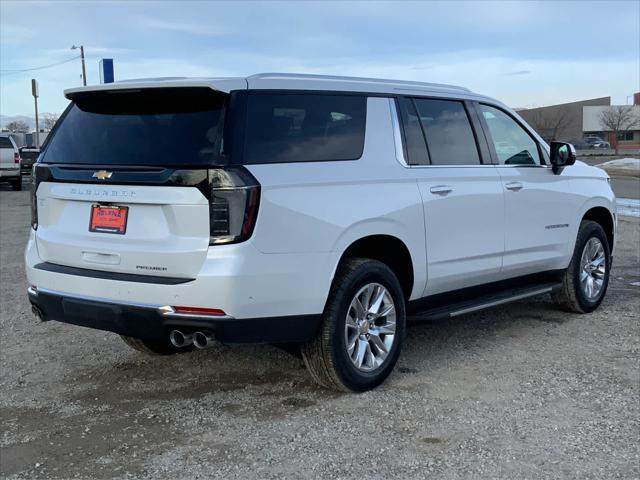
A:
[622, 163]
[628, 207]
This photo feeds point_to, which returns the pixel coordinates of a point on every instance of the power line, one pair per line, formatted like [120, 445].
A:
[8, 72]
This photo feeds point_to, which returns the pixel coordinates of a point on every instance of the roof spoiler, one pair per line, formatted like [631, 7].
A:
[224, 85]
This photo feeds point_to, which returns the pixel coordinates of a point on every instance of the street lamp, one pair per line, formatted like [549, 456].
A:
[84, 72]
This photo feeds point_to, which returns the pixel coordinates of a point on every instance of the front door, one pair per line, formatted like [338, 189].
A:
[537, 203]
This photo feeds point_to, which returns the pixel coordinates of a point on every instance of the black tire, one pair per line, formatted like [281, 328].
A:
[326, 355]
[154, 347]
[17, 184]
[570, 296]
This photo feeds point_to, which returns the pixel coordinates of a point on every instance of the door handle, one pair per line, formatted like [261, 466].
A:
[514, 186]
[441, 189]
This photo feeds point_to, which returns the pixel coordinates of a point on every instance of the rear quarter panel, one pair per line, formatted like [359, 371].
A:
[323, 207]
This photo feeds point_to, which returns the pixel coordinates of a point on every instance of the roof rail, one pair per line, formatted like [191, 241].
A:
[151, 79]
[275, 75]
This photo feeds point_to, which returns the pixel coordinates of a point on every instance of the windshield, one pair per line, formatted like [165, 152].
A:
[158, 126]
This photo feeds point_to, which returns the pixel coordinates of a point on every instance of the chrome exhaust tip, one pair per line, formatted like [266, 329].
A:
[203, 339]
[180, 339]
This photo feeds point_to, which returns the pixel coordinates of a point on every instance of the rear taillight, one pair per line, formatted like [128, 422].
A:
[16, 157]
[212, 312]
[233, 205]
[34, 201]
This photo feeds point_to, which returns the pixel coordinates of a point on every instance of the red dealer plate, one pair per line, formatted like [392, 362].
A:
[108, 219]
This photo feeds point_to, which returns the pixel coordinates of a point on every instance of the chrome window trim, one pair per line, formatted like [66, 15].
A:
[397, 135]
[452, 166]
[479, 166]
[399, 144]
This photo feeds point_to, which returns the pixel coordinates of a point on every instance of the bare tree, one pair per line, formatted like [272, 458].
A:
[619, 119]
[551, 125]
[49, 120]
[17, 126]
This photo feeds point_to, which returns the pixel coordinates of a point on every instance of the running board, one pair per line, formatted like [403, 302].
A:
[483, 302]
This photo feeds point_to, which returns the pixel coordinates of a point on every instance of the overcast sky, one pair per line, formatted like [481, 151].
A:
[524, 53]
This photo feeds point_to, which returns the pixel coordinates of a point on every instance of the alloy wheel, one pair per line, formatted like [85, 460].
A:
[370, 327]
[593, 268]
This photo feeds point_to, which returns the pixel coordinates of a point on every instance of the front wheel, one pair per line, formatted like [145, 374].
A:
[585, 281]
[362, 328]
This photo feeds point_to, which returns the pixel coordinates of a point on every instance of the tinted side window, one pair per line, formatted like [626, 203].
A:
[416, 148]
[514, 146]
[449, 135]
[5, 143]
[284, 128]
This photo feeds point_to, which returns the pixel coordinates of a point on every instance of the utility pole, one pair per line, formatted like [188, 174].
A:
[84, 71]
[34, 92]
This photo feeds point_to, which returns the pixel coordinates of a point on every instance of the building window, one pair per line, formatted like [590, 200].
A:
[625, 136]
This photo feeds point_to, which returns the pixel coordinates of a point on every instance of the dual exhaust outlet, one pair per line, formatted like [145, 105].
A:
[199, 340]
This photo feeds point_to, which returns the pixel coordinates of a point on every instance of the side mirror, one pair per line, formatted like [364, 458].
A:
[562, 155]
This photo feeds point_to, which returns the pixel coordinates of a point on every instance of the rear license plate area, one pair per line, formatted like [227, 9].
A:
[108, 219]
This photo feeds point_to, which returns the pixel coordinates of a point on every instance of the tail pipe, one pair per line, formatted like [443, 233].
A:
[180, 339]
[203, 339]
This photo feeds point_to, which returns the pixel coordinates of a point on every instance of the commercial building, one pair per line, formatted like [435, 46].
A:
[592, 125]
[561, 122]
[573, 121]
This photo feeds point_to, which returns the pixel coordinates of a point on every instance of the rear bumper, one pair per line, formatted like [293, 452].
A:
[236, 278]
[10, 172]
[152, 322]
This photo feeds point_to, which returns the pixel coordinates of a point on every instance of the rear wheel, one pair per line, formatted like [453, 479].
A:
[362, 329]
[585, 282]
[154, 347]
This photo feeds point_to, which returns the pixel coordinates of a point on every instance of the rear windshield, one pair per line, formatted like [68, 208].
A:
[5, 143]
[160, 126]
[304, 127]
[29, 154]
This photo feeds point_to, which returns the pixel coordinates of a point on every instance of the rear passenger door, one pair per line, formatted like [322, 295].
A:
[538, 205]
[462, 195]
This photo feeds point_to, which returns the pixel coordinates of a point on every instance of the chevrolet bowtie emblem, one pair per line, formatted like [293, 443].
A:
[102, 174]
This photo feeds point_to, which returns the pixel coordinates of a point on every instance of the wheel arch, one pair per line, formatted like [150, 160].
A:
[388, 249]
[603, 216]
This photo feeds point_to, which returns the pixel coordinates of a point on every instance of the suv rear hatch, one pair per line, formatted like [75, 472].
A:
[128, 182]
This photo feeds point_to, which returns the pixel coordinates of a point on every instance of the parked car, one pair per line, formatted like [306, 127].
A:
[29, 156]
[10, 162]
[591, 143]
[308, 210]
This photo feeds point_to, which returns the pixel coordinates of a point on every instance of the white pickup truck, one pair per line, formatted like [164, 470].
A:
[10, 162]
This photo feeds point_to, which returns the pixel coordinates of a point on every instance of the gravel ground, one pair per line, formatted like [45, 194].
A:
[523, 391]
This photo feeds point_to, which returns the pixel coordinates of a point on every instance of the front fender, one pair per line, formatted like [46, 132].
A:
[608, 204]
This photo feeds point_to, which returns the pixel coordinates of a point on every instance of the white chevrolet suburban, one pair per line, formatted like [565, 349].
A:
[316, 211]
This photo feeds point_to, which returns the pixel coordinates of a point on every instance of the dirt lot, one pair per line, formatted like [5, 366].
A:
[523, 391]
